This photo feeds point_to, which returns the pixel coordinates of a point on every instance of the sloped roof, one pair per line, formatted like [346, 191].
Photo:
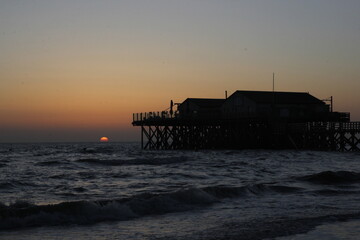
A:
[280, 97]
[206, 102]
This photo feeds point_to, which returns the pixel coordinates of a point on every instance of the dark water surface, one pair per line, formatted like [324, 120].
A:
[118, 191]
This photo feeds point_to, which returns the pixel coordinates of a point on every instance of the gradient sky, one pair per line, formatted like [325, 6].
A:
[76, 70]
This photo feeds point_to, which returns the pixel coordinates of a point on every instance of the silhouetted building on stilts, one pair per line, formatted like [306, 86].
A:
[249, 119]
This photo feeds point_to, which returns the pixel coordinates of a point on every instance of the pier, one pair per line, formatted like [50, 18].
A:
[206, 124]
[173, 133]
[334, 136]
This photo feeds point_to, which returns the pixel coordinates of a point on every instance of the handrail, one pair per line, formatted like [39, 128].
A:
[325, 126]
[305, 126]
[149, 116]
[153, 115]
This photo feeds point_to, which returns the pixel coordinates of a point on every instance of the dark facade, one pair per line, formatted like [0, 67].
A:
[277, 106]
[289, 106]
[201, 108]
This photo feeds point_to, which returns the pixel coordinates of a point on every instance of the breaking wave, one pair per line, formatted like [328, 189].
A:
[331, 177]
[24, 214]
[152, 161]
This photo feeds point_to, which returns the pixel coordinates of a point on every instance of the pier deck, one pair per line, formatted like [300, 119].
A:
[162, 131]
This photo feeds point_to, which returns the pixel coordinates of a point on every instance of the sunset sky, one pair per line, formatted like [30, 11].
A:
[76, 70]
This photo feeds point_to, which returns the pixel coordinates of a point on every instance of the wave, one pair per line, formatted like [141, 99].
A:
[50, 163]
[331, 177]
[8, 151]
[41, 154]
[273, 227]
[12, 184]
[25, 214]
[104, 149]
[140, 161]
[333, 192]
[6, 185]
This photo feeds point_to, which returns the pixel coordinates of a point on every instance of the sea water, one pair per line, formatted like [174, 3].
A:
[118, 191]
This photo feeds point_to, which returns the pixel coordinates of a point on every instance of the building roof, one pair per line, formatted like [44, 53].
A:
[206, 102]
[280, 97]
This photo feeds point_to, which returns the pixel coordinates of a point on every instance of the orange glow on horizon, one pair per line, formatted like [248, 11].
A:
[83, 80]
[104, 139]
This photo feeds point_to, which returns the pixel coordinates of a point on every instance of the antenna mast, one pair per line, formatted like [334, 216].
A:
[331, 100]
[273, 95]
[273, 82]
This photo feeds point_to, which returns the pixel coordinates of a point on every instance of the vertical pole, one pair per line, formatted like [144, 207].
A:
[171, 108]
[142, 137]
[273, 100]
[273, 82]
[331, 104]
[272, 123]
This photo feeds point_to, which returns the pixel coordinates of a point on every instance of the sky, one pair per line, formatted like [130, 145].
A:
[76, 70]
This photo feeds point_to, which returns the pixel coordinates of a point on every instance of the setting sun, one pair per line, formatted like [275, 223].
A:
[104, 139]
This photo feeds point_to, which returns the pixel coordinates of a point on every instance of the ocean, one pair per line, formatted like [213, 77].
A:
[119, 191]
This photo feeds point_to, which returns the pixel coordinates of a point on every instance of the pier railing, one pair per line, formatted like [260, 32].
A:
[137, 117]
[331, 120]
[324, 126]
[208, 117]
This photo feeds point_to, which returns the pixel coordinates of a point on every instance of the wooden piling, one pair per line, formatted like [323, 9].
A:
[170, 133]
